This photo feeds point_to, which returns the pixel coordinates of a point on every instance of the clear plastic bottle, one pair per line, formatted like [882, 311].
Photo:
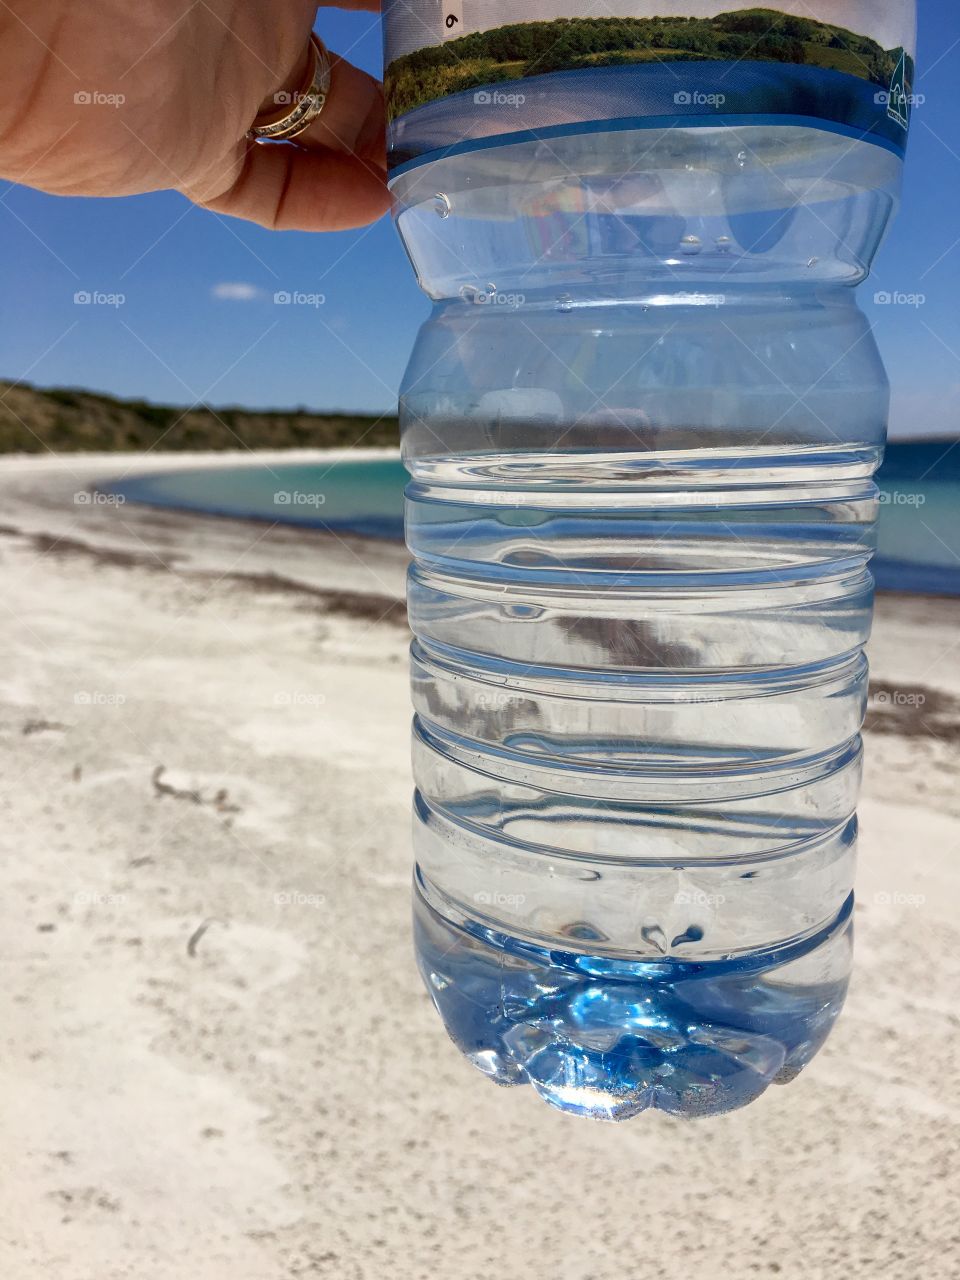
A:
[641, 426]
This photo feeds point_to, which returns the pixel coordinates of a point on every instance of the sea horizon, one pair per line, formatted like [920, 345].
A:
[362, 494]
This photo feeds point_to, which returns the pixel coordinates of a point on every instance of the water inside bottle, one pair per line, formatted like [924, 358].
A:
[641, 427]
[609, 1038]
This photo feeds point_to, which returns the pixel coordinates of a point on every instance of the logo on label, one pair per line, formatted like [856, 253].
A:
[897, 93]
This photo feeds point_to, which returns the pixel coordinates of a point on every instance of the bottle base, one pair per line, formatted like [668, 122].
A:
[610, 1038]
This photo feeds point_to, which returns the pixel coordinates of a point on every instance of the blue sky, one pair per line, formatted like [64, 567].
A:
[198, 321]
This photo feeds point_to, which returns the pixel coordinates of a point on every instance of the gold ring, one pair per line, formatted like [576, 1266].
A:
[302, 107]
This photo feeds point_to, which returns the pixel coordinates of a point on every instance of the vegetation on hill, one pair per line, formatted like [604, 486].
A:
[532, 48]
[66, 420]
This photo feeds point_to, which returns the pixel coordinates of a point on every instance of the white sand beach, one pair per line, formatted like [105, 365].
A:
[219, 1062]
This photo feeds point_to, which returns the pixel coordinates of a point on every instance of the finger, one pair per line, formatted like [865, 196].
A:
[289, 188]
[353, 117]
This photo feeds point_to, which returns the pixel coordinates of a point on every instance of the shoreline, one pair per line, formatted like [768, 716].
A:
[16, 471]
[38, 499]
[184, 460]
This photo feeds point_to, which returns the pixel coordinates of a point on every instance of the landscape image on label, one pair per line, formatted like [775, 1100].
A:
[518, 50]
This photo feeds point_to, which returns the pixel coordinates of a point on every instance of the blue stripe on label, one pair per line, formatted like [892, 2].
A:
[648, 96]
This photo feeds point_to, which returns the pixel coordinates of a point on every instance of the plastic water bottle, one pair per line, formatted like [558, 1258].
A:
[641, 426]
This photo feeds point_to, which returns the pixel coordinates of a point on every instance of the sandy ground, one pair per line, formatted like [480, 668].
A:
[218, 1061]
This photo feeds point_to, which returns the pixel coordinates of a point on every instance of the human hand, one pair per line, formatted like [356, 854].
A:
[117, 97]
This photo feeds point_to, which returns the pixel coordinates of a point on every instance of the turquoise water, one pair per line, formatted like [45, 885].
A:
[919, 546]
[364, 497]
[918, 543]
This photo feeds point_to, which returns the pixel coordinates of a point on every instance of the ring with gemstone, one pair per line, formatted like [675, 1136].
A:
[301, 107]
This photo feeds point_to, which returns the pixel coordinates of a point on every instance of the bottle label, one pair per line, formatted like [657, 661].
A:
[464, 74]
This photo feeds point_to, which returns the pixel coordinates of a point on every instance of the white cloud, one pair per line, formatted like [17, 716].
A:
[236, 291]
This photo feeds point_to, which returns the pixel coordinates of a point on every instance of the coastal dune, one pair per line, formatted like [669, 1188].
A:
[219, 1059]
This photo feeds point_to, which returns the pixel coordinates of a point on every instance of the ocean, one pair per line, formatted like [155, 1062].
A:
[918, 530]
